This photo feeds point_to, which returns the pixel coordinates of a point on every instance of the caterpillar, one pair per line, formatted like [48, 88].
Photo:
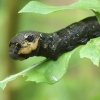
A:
[31, 43]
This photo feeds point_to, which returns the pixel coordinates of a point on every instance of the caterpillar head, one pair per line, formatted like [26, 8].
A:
[24, 45]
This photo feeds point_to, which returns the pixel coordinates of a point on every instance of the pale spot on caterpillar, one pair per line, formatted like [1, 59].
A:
[45, 46]
[28, 47]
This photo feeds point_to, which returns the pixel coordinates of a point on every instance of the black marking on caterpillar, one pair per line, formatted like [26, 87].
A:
[30, 43]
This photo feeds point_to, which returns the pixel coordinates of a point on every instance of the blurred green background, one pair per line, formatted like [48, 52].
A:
[82, 79]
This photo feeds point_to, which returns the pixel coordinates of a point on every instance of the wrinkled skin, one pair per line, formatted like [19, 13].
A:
[30, 43]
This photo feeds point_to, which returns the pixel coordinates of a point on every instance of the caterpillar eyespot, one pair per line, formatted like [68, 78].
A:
[51, 45]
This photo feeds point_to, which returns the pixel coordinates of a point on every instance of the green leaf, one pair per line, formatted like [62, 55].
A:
[48, 71]
[12, 77]
[97, 15]
[92, 51]
[37, 7]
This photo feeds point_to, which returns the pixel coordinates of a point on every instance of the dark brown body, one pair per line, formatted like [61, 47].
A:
[64, 40]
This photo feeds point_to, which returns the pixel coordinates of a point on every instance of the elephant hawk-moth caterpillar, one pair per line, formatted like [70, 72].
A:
[31, 43]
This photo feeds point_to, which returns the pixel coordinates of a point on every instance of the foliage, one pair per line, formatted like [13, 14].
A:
[52, 71]
[91, 51]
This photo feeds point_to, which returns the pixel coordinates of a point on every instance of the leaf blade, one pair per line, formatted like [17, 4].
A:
[53, 71]
[37, 7]
[91, 51]
[12, 77]
[43, 71]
